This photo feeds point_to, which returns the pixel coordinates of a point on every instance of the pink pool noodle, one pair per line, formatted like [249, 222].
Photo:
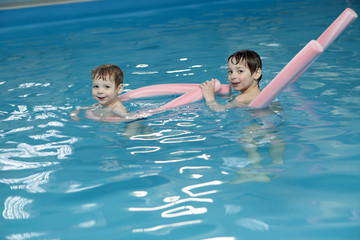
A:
[337, 27]
[167, 89]
[193, 96]
[158, 90]
[189, 97]
[312, 50]
[225, 89]
[333, 31]
[284, 78]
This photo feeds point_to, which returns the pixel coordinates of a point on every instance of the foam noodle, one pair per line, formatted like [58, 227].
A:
[225, 89]
[158, 90]
[333, 31]
[167, 89]
[284, 78]
[337, 27]
[305, 57]
[192, 96]
[191, 93]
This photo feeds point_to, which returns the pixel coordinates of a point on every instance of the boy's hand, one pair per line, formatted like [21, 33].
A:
[75, 115]
[208, 90]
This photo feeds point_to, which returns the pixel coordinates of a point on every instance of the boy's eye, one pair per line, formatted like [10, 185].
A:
[95, 86]
[107, 86]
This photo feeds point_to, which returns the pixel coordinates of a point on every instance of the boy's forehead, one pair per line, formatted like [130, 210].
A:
[233, 63]
[104, 77]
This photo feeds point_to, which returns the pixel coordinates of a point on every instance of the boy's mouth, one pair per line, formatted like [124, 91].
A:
[101, 98]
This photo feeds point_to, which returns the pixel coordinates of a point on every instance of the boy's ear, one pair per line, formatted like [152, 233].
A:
[120, 88]
[257, 74]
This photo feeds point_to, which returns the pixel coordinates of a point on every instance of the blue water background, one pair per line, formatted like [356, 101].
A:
[184, 173]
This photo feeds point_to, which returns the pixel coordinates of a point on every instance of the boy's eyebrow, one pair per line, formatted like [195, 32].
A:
[237, 67]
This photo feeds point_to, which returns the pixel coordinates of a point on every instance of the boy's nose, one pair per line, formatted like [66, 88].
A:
[233, 76]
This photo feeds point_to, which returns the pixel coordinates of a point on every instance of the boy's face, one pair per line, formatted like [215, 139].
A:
[105, 92]
[240, 77]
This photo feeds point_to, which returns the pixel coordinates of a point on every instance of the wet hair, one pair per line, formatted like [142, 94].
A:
[251, 58]
[108, 70]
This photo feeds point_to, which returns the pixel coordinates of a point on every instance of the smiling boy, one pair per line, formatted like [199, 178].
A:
[244, 74]
[107, 84]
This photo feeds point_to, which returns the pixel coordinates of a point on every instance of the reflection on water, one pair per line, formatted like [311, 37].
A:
[8, 164]
[30, 183]
[253, 224]
[165, 226]
[28, 235]
[196, 197]
[24, 150]
[147, 149]
[14, 208]
[133, 209]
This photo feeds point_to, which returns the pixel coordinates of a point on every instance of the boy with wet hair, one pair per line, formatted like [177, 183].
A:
[107, 84]
[244, 74]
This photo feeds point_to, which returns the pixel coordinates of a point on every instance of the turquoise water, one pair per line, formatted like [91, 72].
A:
[184, 173]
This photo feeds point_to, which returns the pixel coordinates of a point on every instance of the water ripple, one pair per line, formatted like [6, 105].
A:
[30, 183]
[14, 208]
[17, 130]
[23, 236]
[253, 224]
[146, 149]
[203, 156]
[191, 187]
[160, 135]
[24, 150]
[7, 164]
[182, 211]
[195, 138]
[136, 209]
[17, 115]
[172, 225]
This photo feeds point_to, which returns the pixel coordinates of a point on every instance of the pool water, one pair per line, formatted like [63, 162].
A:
[187, 173]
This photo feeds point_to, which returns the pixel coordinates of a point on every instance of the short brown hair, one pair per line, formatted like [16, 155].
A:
[251, 58]
[110, 70]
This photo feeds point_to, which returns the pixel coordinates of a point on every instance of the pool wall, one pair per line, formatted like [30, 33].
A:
[28, 16]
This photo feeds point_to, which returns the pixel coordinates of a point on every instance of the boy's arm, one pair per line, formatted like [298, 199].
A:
[75, 114]
[125, 116]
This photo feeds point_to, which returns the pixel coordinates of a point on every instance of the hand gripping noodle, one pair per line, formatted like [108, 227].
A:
[302, 61]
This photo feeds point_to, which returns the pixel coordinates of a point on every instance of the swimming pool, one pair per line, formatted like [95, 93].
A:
[184, 173]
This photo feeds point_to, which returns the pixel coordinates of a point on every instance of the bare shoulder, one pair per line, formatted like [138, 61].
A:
[119, 109]
[242, 101]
